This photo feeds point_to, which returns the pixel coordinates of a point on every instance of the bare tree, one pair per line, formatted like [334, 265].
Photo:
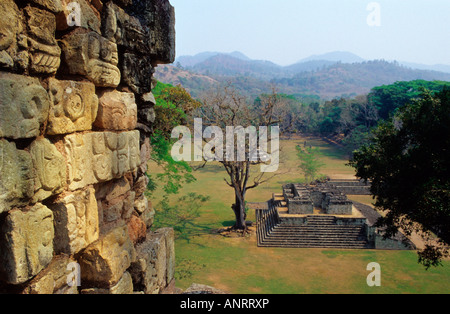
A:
[228, 110]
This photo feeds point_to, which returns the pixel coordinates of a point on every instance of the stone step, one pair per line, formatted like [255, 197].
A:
[353, 245]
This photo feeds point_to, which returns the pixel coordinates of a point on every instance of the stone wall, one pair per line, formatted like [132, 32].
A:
[76, 112]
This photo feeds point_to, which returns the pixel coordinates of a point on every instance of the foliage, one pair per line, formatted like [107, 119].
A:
[173, 105]
[175, 173]
[408, 163]
[309, 162]
[388, 98]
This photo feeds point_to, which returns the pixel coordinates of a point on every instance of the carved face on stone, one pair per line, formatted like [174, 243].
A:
[24, 106]
[45, 52]
[93, 56]
[73, 106]
[50, 167]
[102, 162]
[103, 58]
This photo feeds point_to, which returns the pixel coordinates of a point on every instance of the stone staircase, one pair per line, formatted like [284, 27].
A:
[318, 232]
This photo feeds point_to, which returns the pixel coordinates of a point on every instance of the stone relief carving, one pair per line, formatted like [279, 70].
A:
[44, 50]
[73, 106]
[24, 106]
[25, 250]
[13, 41]
[50, 168]
[93, 56]
[100, 156]
[76, 221]
[16, 176]
[117, 111]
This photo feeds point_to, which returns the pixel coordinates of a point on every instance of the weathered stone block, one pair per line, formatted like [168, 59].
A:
[150, 271]
[136, 72]
[50, 168]
[148, 216]
[16, 176]
[104, 262]
[117, 111]
[124, 30]
[44, 50]
[158, 19]
[169, 237]
[54, 6]
[76, 221]
[78, 13]
[141, 204]
[137, 229]
[93, 56]
[55, 278]
[13, 42]
[26, 243]
[124, 286]
[73, 107]
[24, 106]
[100, 156]
[115, 203]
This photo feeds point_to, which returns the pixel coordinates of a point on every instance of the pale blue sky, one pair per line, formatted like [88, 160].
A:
[285, 31]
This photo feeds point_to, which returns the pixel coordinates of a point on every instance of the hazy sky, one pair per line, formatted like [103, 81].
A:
[285, 31]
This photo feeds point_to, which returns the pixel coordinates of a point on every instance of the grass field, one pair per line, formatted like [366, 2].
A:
[237, 265]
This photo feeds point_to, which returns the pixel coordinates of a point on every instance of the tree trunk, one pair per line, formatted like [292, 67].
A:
[239, 212]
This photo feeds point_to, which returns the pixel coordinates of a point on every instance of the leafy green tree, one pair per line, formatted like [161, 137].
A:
[310, 162]
[173, 106]
[408, 163]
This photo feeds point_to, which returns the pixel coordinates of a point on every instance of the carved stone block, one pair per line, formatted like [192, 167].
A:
[24, 106]
[149, 271]
[26, 241]
[158, 19]
[115, 203]
[78, 13]
[136, 72]
[100, 156]
[105, 261]
[13, 42]
[125, 30]
[93, 56]
[73, 106]
[117, 111]
[16, 176]
[44, 50]
[76, 221]
[50, 168]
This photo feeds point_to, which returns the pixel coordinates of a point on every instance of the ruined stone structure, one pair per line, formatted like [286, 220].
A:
[76, 113]
[321, 215]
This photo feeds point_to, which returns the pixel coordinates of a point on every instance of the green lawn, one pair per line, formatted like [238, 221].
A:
[237, 265]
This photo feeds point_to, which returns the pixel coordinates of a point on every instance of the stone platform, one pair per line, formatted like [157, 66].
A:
[319, 216]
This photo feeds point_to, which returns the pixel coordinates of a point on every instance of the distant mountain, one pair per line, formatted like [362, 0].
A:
[345, 79]
[436, 67]
[329, 75]
[190, 61]
[229, 65]
[335, 56]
